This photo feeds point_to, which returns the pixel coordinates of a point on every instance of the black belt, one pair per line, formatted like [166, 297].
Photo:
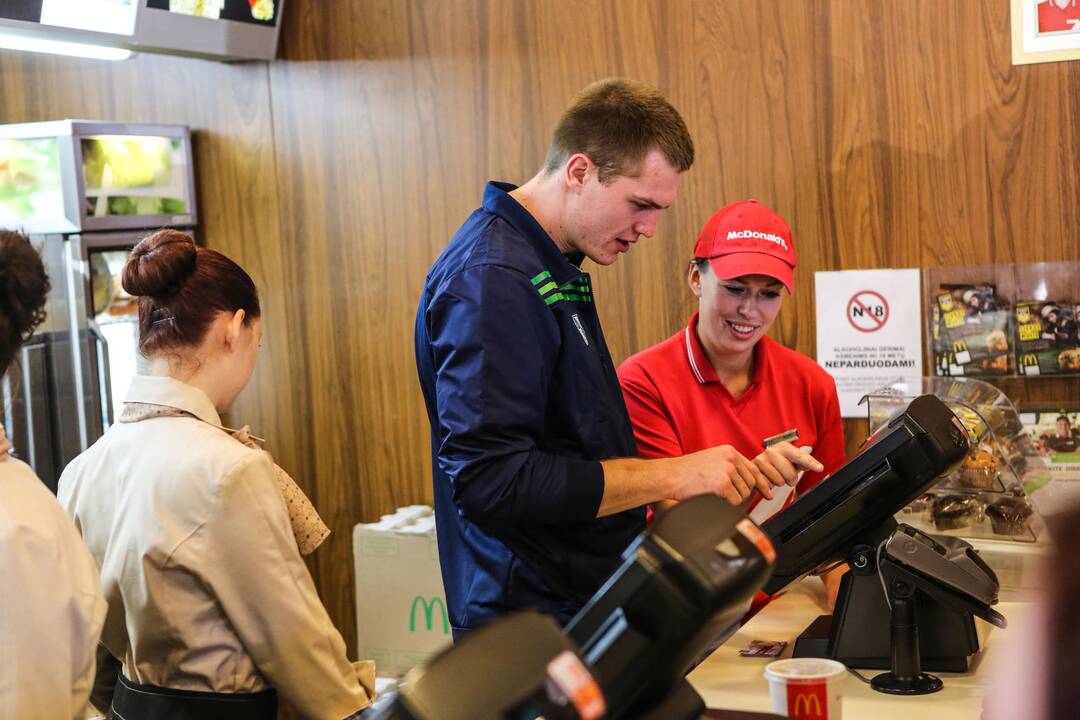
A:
[132, 701]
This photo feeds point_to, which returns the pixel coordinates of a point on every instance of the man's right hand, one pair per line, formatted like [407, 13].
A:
[722, 471]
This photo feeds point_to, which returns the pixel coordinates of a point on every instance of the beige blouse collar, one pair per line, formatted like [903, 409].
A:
[150, 397]
[170, 392]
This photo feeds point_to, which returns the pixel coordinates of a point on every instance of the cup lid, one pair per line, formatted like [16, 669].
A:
[804, 669]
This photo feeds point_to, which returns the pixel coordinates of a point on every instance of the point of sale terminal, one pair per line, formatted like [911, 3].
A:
[906, 605]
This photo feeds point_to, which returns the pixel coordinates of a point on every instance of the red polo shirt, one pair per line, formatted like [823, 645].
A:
[678, 405]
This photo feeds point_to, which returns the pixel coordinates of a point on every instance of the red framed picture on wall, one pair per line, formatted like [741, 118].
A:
[1045, 30]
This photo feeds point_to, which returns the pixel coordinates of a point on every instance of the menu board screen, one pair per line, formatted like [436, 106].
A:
[31, 197]
[258, 12]
[134, 175]
[108, 16]
[26, 10]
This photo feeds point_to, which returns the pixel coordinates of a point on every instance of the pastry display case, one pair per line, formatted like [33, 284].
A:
[993, 494]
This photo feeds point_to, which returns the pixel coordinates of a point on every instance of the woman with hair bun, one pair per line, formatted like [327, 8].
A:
[211, 609]
[51, 607]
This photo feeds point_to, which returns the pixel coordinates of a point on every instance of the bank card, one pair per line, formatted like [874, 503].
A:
[787, 436]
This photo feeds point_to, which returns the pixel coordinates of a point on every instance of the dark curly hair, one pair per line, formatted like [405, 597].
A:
[24, 287]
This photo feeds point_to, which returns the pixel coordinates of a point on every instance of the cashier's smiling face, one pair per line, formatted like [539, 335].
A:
[604, 220]
[734, 314]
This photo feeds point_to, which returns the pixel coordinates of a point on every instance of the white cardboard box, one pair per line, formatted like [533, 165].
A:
[401, 616]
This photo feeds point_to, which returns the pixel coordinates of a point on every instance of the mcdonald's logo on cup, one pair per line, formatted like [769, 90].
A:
[806, 688]
[809, 701]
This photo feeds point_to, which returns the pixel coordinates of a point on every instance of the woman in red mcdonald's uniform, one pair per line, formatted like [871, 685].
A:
[720, 380]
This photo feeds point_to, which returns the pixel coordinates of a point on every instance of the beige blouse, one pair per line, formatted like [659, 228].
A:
[51, 608]
[205, 585]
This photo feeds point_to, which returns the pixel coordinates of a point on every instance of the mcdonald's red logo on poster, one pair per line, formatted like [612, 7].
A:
[808, 701]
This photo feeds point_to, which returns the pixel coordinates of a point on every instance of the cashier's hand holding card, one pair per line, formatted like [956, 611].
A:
[784, 464]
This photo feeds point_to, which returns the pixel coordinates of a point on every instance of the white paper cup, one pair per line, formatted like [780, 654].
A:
[807, 688]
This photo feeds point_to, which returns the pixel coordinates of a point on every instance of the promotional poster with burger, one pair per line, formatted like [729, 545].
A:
[1047, 337]
[970, 331]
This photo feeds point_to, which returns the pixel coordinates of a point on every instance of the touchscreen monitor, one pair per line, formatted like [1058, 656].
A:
[895, 466]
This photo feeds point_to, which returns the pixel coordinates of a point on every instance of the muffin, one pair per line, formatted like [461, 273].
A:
[951, 512]
[1010, 515]
[979, 470]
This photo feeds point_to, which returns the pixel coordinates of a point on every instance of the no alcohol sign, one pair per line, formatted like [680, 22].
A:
[878, 342]
[868, 311]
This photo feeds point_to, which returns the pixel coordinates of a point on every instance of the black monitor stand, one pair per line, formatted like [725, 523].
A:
[905, 676]
[859, 633]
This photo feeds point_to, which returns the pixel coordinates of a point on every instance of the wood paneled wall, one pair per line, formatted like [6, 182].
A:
[887, 134]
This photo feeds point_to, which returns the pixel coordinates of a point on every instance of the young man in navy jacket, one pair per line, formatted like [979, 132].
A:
[537, 490]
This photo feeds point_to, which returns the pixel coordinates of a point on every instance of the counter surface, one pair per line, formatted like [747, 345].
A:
[727, 680]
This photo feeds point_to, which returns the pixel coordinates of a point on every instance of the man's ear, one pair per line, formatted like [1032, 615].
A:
[577, 171]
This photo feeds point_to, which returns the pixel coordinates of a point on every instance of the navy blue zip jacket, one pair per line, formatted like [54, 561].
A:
[523, 402]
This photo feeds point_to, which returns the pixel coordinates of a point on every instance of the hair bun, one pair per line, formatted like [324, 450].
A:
[160, 264]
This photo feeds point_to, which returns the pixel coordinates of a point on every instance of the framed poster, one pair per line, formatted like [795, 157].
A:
[1055, 432]
[1045, 30]
[868, 331]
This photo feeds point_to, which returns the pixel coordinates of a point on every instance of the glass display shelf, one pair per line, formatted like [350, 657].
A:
[992, 494]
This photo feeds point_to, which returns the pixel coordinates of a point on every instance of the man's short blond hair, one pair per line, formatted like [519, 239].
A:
[616, 122]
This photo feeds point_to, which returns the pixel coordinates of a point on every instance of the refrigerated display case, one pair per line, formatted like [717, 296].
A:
[86, 193]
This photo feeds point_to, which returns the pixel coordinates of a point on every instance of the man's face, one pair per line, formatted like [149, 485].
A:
[734, 314]
[604, 220]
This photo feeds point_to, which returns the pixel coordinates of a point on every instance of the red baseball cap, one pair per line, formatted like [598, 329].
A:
[747, 238]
